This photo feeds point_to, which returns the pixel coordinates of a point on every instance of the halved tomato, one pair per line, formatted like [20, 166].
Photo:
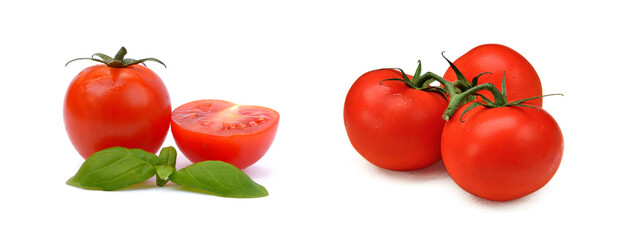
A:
[220, 130]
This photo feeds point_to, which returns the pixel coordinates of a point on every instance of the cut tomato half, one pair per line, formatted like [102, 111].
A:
[220, 130]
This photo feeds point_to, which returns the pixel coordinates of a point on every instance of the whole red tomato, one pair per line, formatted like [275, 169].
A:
[115, 104]
[392, 125]
[522, 79]
[220, 130]
[502, 153]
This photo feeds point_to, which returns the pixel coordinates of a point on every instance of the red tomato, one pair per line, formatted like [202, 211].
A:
[220, 130]
[107, 107]
[502, 153]
[522, 79]
[392, 125]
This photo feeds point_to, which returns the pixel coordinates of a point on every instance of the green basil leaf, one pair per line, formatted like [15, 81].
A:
[165, 165]
[167, 157]
[143, 155]
[218, 178]
[163, 172]
[114, 168]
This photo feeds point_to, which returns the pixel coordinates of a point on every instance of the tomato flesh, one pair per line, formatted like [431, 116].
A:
[220, 130]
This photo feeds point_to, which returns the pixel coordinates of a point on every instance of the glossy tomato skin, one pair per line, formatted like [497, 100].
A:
[521, 78]
[240, 137]
[502, 154]
[392, 125]
[106, 107]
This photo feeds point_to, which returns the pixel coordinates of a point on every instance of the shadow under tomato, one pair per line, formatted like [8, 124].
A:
[182, 161]
[256, 172]
[497, 205]
[437, 171]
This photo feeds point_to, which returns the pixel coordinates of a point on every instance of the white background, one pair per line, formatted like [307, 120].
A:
[300, 59]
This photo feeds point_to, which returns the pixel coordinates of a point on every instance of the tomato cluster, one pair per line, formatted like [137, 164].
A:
[496, 143]
[121, 103]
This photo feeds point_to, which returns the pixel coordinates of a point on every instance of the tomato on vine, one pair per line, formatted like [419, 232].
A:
[396, 124]
[491, 147]
[522, 79]
[501, 150]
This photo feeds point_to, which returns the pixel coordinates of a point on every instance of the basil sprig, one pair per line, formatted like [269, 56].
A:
[117, 167]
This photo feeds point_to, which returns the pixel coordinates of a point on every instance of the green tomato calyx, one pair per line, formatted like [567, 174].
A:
[420, 81]
[118, 61]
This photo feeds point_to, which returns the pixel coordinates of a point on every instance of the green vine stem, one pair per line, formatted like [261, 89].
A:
[118, 61]
[461, 91]
[422, 82]
[459, 99]
[500, 99]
